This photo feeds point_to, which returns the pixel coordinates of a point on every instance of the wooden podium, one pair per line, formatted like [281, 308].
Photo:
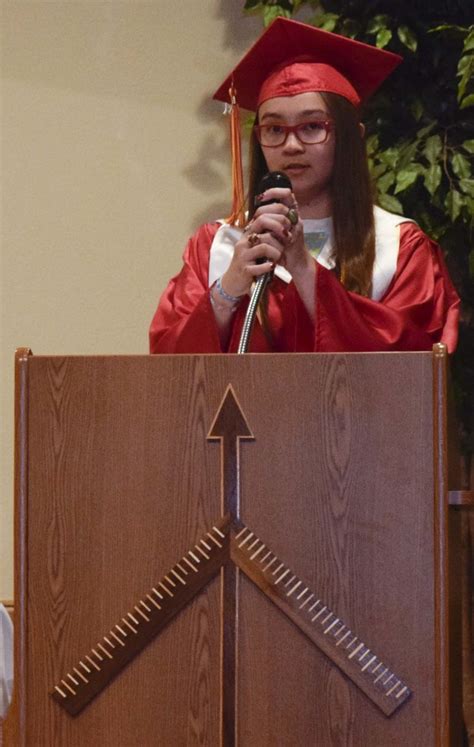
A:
[250, 550]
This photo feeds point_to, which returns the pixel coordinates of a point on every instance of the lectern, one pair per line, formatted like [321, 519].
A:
[251, 550]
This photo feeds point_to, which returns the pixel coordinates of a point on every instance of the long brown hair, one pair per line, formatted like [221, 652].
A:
[351, 192]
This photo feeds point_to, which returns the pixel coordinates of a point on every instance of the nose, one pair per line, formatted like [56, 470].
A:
[292, 143]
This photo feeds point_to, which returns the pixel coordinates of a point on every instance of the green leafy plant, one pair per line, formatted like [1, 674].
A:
[420, 132]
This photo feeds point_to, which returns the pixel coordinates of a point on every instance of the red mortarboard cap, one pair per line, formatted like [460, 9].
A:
[291, 57]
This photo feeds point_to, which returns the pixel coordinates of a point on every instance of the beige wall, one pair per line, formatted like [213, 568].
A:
[112, 153]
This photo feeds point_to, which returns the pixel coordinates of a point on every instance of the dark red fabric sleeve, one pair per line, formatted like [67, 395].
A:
[419, 308]
[184, 320]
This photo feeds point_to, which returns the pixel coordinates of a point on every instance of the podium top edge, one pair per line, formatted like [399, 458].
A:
[20, 354]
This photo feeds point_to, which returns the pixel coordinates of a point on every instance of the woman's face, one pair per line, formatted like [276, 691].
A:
[308, 166]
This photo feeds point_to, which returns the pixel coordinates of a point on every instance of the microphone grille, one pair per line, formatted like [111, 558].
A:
[274, 179]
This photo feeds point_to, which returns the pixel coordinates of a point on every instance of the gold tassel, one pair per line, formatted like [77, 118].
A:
[343, 274]
[237, 217]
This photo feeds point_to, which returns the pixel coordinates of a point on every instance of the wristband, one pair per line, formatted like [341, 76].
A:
[226, 296]
[221, 307]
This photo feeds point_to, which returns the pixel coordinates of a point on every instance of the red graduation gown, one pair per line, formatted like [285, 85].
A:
[419, 308]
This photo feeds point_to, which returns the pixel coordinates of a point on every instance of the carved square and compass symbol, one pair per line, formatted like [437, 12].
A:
[227, 548]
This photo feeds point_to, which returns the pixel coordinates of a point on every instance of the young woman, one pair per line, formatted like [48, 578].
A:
[348, 276]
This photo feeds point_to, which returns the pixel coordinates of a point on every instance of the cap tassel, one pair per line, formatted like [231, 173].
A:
[237, 217]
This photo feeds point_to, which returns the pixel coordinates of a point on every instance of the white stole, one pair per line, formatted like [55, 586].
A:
[387, 241]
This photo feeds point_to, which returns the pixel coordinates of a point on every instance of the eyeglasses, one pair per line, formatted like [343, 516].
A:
[308, 133]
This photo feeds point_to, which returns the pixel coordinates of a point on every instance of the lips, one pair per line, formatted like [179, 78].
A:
[295, 167]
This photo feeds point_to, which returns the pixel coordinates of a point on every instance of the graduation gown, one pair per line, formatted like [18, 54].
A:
[413, 303]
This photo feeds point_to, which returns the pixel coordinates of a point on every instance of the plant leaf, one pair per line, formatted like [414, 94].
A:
[388, 202]
[270, 12]
[389, 156]
[425, 130]
[464, 64]
[417, 110]
[447, 27]
[327, 21]
[465, 71]
[378, 22]
[372, 144]
[468, 101]
[405, 179]
[469, 146]
[407, 153]
[349, 28]
[385, 181]
[383, 37]
[469, 41]
[454, 203]
[433, 148]
[432, 178]
[407, 37]
[461, 166]
[378, 170]
[467, 186]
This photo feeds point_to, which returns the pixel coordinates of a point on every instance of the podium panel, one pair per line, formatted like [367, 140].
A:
[122, 484]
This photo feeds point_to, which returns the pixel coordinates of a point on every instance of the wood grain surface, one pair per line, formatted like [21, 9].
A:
[122, 480]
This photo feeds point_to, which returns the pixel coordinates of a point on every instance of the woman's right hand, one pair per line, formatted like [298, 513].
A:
[264, 238]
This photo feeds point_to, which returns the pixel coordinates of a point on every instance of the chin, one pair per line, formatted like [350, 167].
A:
[308, 189]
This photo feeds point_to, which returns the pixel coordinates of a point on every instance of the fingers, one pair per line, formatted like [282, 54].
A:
[284, 212]
[245, 266]
[277, 225]
[277, 210]
[256, 270]
[276, 196]
[268, 248]
[281, 194]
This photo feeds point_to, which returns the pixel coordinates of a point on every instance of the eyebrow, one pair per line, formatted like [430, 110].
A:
[306, 113]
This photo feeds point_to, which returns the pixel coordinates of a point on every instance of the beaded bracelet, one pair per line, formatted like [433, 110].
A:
[224, 295]
[221, 306]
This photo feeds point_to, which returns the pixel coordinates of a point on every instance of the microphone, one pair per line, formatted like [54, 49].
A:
[269, 181]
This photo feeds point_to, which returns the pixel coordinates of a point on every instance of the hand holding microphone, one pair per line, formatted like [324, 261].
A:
[267, 236]
[267, 188]
[269, 229]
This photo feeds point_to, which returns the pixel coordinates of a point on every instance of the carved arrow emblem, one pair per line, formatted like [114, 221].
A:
[230, 427]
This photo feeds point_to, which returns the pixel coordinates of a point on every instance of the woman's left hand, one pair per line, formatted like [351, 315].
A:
[295, 256]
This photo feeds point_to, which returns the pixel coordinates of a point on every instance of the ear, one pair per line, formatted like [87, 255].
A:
[362, 129]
